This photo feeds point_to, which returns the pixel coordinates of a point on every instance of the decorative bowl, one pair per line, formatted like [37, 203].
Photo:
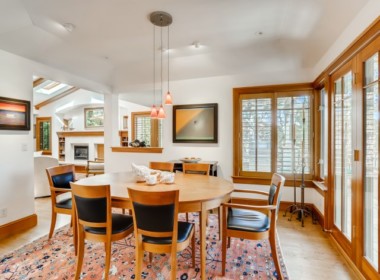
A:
[190, 159]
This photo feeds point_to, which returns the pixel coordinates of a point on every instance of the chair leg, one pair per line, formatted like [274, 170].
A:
[108, 259]
[139, 253]
[187, 217]
[52, 223]
[173, 257]
[80, 253]
[273, 245]
[193, 250]
[224, 253]
[150, 257]
[220, 218]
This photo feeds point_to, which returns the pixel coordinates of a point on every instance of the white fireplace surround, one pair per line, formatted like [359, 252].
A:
[91, 142]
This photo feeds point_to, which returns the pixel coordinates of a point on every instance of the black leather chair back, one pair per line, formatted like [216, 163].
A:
[156, 218]
[63, 180]
[92, 210]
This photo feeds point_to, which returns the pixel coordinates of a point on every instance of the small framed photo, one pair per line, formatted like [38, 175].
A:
[93, 117]
[14, 114]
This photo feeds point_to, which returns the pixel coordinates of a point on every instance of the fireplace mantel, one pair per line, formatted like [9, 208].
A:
[80, 133]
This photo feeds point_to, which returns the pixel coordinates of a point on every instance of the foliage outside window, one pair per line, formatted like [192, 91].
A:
[274, 131]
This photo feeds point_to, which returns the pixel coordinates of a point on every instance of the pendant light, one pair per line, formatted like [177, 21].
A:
[161, 19]
[168, 98]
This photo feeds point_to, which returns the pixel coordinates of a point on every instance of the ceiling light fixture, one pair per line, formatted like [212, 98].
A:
[196, 44]
[160, 19]
[68, 26]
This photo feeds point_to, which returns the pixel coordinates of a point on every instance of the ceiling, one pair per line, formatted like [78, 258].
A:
[114, 38]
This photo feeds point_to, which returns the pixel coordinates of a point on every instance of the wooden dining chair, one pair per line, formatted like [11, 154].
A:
[203, 169]
[255, 222]
[196, 168]
[162, 165]
[96, 222]
[59, 180]
[157, 229]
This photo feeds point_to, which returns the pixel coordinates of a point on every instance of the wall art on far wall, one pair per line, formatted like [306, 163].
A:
[93, 117]
[14, 114]
[195, 123]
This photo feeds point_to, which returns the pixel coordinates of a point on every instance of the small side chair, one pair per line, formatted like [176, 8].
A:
[162, 166]
[96, 222]
[59, 180]
[157, 229]
[255, 222]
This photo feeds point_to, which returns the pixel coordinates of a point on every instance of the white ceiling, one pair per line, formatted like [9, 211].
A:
[115, 37]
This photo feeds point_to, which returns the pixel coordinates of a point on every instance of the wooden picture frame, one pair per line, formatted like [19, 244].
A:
[14, 114]
[93, 117]
[195, 123]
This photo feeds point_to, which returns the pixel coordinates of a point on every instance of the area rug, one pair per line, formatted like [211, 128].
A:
[55, 259]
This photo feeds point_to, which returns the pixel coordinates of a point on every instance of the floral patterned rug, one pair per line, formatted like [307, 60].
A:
[55, 259]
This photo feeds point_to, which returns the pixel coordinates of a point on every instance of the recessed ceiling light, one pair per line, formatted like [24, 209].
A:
[196, 45]
[259, 33]
[68, 26]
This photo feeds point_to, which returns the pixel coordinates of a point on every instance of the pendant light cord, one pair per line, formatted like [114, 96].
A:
[168, 60]
[161, 59]
[154, 65]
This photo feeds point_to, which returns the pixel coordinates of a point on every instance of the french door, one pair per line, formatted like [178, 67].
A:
[343, 112]
[355, 153]
[368, 61]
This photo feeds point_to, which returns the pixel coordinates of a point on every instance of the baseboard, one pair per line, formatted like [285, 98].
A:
[18, 226]
[349, 262]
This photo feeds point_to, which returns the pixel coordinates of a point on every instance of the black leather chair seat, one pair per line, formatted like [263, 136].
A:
[184, 230]
[120, 223]
[65, 203]
[247, 220]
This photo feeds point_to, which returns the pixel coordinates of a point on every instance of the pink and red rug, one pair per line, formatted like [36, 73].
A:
[55, 259]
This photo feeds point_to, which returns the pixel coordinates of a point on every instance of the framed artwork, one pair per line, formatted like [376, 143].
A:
[14, 114]
[93, 117]
[196, 123]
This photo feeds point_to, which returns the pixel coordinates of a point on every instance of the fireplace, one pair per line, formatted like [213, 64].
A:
[81, 152]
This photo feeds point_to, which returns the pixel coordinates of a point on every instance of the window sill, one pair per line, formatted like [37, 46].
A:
[152, 150]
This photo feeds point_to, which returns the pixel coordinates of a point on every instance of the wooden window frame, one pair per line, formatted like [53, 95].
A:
[274, 91]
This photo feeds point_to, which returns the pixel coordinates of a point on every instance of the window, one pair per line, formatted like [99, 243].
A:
[273, 131]
[144, 128]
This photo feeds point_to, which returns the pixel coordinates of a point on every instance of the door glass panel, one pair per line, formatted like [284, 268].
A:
[256, 134]
[371, 161]
[343, 154]
[338, 132]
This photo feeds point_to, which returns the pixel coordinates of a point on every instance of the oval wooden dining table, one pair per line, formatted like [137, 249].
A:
[198, 193]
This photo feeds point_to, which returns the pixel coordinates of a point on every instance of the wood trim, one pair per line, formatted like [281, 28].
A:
[80, 133]
[152, 150]
[368, 270]
[273, 88]
[18, 226]
[38, 82]
[55, 98]
[266, 182]
[355, 270]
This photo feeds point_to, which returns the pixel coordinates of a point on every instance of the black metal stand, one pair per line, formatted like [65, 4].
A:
[301, 209]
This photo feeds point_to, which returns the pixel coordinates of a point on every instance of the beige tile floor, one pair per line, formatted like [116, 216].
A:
[307, 250]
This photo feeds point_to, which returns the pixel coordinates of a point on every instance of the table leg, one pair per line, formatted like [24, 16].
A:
[202, 229]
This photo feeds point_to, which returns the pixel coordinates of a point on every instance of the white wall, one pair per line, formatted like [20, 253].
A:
[16, 147]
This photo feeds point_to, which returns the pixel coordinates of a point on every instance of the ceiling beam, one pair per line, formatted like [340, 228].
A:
[55, 98]
[38, 82]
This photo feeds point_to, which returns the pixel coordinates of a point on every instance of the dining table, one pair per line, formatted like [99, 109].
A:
[198, 193]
